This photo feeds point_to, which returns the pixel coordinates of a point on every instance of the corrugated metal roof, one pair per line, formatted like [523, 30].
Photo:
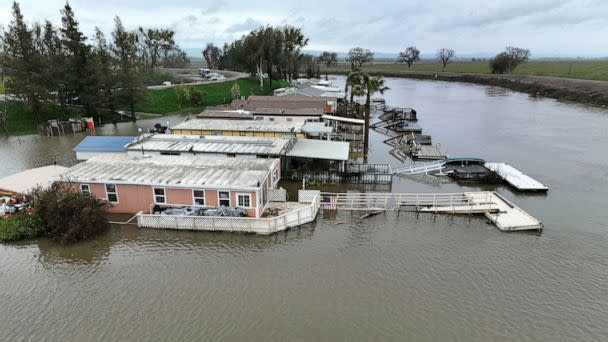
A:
[177, 171]
[320, 149]
[241, 125]
[225, 114]
[108, 143]
[289, 111]
[211, 144]
[316, 127]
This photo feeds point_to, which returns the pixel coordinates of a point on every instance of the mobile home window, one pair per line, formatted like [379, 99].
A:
[111, 193]
[85, 189]
[224, 198]
[159, 195]
[199, 197]
[243, 200]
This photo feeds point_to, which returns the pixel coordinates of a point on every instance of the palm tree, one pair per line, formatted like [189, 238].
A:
[373, 84]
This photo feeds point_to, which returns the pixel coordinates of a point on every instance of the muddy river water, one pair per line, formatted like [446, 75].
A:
[407, 277]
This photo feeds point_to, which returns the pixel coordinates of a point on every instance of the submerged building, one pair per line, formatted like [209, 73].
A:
[133, 184]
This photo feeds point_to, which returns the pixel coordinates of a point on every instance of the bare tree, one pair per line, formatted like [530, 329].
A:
[518, 55]
[444, 55]
[409, 56]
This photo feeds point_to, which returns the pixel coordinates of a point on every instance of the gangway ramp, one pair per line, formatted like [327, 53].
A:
[504, 214]
[426, 168]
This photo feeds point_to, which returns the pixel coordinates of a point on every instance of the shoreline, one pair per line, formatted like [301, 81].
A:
[569, 89]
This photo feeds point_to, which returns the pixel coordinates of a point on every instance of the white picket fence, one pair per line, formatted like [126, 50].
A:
[234, 224]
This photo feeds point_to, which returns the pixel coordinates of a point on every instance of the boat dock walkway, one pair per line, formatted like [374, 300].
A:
[516, 178]
[504, 214]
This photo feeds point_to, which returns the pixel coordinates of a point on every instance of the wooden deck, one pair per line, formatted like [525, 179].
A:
[428, 152]
[504, 214]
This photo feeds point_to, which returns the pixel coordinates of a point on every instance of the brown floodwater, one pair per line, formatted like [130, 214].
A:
[390, 277]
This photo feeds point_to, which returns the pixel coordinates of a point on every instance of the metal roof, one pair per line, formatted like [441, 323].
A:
[289, 111]
[316, 127]
[320, 149]
[177, 171]
[211, 144]
[24, 181]
[240, 125]
[343, 119]
[108, 143]
[225, 114]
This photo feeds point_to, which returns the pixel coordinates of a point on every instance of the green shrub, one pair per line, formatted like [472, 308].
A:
[68, 216]
[19, 227]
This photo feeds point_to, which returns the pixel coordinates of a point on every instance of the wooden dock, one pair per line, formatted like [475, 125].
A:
[504, 214]
[427, 151]
[516, 178]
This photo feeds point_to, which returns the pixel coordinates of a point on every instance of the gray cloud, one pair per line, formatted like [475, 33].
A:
[547, 27]
[247, 25]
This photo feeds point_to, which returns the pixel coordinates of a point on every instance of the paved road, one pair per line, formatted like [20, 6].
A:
[230, 76]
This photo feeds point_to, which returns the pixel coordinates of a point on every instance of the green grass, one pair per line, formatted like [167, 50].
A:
[164, 101]
[19, 227]
[21, 119]
[583, 69]
[2, 88]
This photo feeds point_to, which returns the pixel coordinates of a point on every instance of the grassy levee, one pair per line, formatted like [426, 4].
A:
[164, 101]
[572, 80]
[580, 69]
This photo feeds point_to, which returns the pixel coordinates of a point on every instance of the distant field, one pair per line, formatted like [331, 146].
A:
[583, 69]
[165, 100]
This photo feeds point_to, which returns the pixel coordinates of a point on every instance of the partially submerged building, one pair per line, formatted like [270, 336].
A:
[92, 146]
[210, 145]
[135, 184]
[255, 103]
[249, 128]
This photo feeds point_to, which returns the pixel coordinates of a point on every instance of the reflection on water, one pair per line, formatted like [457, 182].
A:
[406, 276]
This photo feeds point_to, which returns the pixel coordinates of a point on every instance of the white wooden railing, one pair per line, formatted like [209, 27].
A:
[267, 225]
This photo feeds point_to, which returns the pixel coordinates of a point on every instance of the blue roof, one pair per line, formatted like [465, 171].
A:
[107, 143]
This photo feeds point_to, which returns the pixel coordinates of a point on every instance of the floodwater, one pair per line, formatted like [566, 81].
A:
[389, 277]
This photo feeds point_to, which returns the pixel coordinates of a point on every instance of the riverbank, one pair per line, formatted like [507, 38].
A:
[569, 89]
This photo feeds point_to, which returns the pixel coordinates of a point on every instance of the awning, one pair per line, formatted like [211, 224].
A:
[320, 149]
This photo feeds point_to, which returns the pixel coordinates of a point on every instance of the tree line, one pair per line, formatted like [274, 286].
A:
[273, 51]
[503, 62]
[45, 64]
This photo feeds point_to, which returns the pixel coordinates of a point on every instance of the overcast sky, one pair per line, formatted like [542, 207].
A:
[546, 27]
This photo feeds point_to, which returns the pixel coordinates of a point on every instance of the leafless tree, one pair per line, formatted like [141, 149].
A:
[444, 55]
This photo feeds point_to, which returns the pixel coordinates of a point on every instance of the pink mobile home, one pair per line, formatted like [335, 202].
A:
[136, 183]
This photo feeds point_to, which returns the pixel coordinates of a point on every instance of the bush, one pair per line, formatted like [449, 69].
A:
[68, 216]
[19, 227]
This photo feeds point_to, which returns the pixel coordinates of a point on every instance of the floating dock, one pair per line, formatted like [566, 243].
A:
[516, 178]
[501, 212]
[428, 152]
